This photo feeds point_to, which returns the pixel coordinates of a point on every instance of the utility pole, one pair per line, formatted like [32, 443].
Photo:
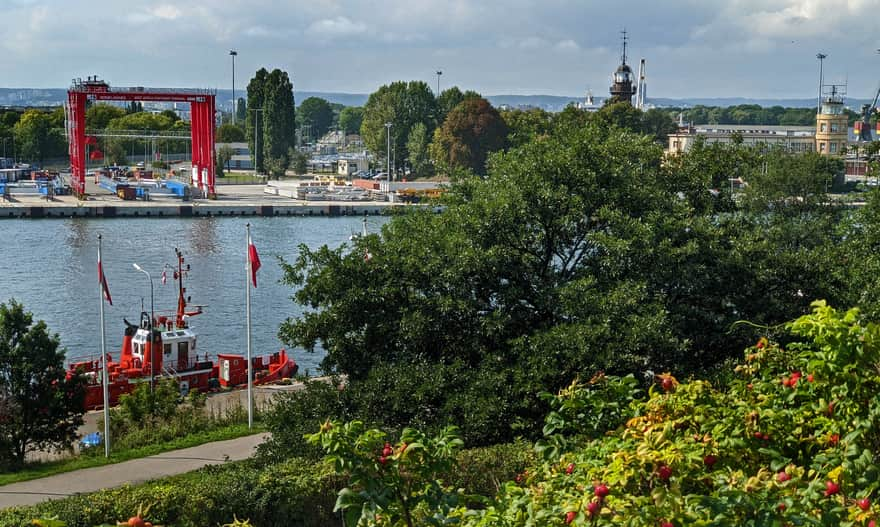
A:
[233, 54]
[388, 126]
[821, 57]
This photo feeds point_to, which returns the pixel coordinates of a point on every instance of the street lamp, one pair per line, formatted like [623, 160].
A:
[438, 82]
[388, 126]
[139, 268]
[233, 54]
[821, 57]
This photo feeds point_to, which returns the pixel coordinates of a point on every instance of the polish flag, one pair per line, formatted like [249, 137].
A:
[103, 280]
[254, 260]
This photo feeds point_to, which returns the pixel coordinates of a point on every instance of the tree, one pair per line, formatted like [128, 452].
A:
[317, 113]
[299, 162]
[134, 107]
[36, 138]
[241, 110]
[403, 105]
[622, 115]
[515, 252]
[417, 146]
[801, 181]
[230, 133]
[471, 131]
[224, 155]
[350, 119]
[41, 407]
[449, 99]
[272, 94]
[98, 116]
[255, 116]
[524, 126]
[658, 124]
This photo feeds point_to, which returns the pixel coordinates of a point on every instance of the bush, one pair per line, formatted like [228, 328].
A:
[147, 417]
[791, 441]
[295, 493]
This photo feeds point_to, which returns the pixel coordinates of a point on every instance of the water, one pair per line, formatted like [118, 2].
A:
[50, 267]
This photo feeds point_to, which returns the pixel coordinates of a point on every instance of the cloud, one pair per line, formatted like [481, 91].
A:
[167, 12]
[340, 26]
[567, 45]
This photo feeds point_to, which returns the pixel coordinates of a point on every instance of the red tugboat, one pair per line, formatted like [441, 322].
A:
[166, 347]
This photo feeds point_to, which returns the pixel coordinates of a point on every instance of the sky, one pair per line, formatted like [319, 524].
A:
[693, 48]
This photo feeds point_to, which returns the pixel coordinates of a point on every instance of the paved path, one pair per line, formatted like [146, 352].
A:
[134, 471]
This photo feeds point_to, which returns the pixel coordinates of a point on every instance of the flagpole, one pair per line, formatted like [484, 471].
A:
[104, 362]
[250, 372]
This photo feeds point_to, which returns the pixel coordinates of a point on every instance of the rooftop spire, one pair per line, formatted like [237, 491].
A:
[624, 38]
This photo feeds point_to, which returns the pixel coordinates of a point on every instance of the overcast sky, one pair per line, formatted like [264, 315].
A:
[694, 48]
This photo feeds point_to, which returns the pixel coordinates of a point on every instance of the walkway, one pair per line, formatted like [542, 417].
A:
[134, 471]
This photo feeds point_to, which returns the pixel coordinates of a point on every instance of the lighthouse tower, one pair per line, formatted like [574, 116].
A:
[622, 89]
[831, 122]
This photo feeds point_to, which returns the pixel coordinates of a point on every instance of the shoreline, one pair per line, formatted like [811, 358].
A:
[232, 200]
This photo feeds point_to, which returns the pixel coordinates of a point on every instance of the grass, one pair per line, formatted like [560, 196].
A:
[96, 459]
[239, 178]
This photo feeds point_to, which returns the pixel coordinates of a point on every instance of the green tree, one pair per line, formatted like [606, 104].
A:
[471, 131]
[524, 126]
[417, 146]
[658, 124]
[35, 137]
[299, 162]
[224, 155]
[449, 99]
[785, 180]
[254, 123]
[317, 113]
[403, 105]
[272, 94]
[241, 110]
[622, 115]
[98, 116]
[350, 119]
[230, 133]
[41, 406]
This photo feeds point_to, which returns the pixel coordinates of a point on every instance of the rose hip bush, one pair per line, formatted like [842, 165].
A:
[791, 441]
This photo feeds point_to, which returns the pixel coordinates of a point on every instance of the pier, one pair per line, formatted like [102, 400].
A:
[231, 200]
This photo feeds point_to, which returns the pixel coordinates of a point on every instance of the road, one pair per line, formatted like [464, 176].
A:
[134, 471]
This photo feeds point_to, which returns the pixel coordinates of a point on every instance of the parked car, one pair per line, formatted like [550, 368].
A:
[380, 176]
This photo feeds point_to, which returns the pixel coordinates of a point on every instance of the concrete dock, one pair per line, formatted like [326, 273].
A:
[231, 200]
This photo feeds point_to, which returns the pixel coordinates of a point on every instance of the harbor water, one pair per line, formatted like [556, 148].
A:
[50, 266]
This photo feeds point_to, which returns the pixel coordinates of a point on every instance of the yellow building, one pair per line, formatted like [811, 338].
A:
[790, 138]
[831, 126]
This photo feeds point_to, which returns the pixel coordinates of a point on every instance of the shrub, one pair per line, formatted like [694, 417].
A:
[294, 493]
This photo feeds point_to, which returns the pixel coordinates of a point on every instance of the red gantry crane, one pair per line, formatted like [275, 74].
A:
[202, 110]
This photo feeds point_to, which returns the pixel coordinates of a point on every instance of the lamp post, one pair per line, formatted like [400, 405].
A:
[388, 126]
[139, 268]
[821, 57]
[438, 82]
[233, 54]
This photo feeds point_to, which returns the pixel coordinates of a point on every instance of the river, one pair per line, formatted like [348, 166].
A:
[50, 267]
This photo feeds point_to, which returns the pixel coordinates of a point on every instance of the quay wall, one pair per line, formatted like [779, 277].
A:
[192, 210]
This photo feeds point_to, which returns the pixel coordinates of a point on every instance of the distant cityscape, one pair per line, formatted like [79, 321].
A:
[30, 97]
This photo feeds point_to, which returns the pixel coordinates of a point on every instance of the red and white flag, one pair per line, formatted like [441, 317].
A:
[103, 280]
[254, 260]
